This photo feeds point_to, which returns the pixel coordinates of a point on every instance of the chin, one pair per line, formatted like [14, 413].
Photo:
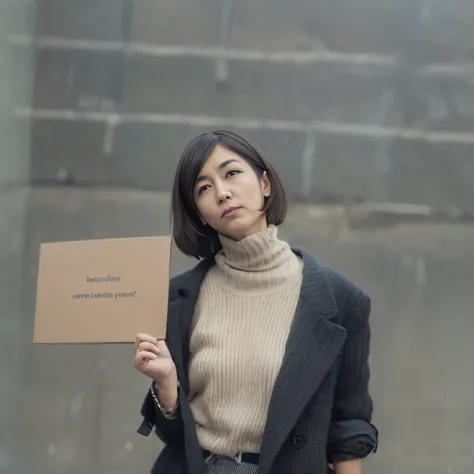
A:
[236, 230]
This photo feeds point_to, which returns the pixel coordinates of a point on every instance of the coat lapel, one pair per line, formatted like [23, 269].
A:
[181, 311]
[313, 344]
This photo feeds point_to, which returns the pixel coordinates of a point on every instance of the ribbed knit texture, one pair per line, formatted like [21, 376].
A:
[241, 324]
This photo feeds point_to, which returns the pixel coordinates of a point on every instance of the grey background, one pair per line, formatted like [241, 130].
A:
[365, 106]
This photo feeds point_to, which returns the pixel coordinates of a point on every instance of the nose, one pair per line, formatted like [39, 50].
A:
[223, 195]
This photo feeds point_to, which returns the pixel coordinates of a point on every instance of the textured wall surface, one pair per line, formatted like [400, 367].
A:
[15, 87]
[80, 404]
[353, 100]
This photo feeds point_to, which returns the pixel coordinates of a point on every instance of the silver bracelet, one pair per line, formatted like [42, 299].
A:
[167, 412]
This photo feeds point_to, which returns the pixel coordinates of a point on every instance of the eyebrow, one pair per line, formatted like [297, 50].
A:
[222, 165]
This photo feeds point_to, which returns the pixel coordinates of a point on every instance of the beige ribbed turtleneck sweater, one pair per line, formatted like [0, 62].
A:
[240, 328]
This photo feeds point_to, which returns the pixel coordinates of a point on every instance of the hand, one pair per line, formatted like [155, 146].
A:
[153, 359]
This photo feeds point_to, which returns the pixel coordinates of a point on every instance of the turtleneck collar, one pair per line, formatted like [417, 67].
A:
[258, 262]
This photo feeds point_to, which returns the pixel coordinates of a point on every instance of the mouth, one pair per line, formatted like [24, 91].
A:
[230, 211]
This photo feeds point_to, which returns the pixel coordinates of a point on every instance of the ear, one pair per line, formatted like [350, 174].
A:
[266, 185]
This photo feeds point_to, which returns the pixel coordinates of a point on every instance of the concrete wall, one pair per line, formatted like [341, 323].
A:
[15, 87]
[353, 100]
[80, 404]
[373, 102]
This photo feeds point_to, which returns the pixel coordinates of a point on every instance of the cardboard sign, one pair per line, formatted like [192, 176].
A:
[102, 291]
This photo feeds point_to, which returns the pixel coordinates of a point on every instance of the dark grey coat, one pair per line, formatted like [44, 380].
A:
[320, 409]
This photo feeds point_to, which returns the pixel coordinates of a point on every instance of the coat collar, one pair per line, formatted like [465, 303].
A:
[313, 344]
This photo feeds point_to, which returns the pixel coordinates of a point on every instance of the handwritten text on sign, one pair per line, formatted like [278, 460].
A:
[104, 294]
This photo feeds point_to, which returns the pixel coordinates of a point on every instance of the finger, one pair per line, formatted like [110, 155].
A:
[144, 356]
[161, 344]
[148, 346]
[142, 337]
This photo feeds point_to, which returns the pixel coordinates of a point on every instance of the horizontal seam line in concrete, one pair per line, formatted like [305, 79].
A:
[282, 57]
[331, 128]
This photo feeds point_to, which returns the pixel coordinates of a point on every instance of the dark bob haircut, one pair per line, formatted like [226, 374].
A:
[191, 236]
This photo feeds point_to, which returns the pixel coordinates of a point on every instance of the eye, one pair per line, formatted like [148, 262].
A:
[232, 173]
[203, 188]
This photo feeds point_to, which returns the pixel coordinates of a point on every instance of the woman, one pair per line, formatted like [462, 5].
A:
[264, 368]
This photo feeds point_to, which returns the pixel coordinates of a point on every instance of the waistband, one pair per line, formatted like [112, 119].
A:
[247, 458]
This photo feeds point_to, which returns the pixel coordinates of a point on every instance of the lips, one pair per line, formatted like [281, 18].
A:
[230, 211]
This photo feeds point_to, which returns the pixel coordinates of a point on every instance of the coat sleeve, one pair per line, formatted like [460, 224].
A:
[351, 433]
[170, 431]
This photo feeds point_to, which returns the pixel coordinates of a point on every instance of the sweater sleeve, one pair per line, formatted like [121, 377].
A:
[169, 430]
[351, 434]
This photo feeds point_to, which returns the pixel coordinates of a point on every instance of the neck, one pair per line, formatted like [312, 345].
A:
[257, 262]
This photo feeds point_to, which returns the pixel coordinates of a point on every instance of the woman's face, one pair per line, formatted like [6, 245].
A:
[229, 195]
